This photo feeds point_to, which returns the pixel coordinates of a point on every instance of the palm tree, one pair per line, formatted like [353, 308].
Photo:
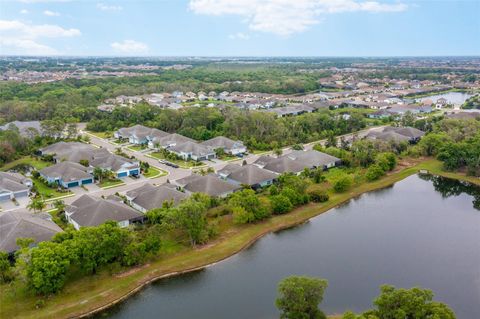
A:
[37, 204]
[59, 205]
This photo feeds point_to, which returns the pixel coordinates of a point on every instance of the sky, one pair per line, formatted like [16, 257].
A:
[240, 27]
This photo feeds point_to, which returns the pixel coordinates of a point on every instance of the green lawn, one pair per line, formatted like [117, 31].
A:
[48, 192]
[137, 147]
[183, 164]
[227, 157]
[38, 164]
[110, 183]
[102, 134]
[154, 172]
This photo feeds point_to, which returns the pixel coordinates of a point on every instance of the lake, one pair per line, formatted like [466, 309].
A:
[455, 98]
[423, 231]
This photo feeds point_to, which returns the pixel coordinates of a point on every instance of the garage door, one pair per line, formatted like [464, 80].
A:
[134, 172]
[87, 181]
[21, 194]
[123, 174]
[4, 196]
[72, 184]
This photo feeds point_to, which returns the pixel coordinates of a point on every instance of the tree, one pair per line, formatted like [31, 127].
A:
[6, 269]
[249, 201]
[36, 204]
[190, 216]
[280, 204]
[299, 297]
[59, 205]
[242, 216]
[406, 303]
[48, 267]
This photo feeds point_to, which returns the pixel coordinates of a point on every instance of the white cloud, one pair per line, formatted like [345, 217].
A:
[129, 47]
[51, 13]
[25, 47]
[30, 31]
[24, 11]
[107, 7]
[286, 17]
[239, 36]
[17, 37]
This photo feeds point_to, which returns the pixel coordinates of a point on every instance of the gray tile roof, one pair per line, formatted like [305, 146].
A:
[398, 134]
[263, 160]
[113, 162]
[12, 182]
[249, 174]
[17, 224]
[172, 139]
[24, 127]
[208, 184]
[67, 171]
[312, 158]
[93, 211]
[156, 196]
[284, 164]
[192, 148]
[222, 142]
[73, 151]
[141, 131]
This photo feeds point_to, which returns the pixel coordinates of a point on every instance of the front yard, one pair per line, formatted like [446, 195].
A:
[137, 148]
[154, 172]
[181, 163]
[47, 192]
[108, 183]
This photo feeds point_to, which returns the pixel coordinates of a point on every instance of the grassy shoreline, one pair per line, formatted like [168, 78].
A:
[92, 294]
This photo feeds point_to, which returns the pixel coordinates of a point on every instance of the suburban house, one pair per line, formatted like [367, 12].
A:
[397, 134]
[67, 174]
[314, 159]
[120, 166]
[148, 197]
[249, 174]
[26, 128]
[139, 134]
[209, 184]
[169, 141]
[21, 224]
[192, 150]
[92, 211]
[229, 146]
[96, 157]
[14, 185]
[280, 165]
[72, 151]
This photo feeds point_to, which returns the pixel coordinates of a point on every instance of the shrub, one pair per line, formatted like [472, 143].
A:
[374, 172]
[281, 204]
[387, 161]
[242, 216]
[318, 196]
[342, 184]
